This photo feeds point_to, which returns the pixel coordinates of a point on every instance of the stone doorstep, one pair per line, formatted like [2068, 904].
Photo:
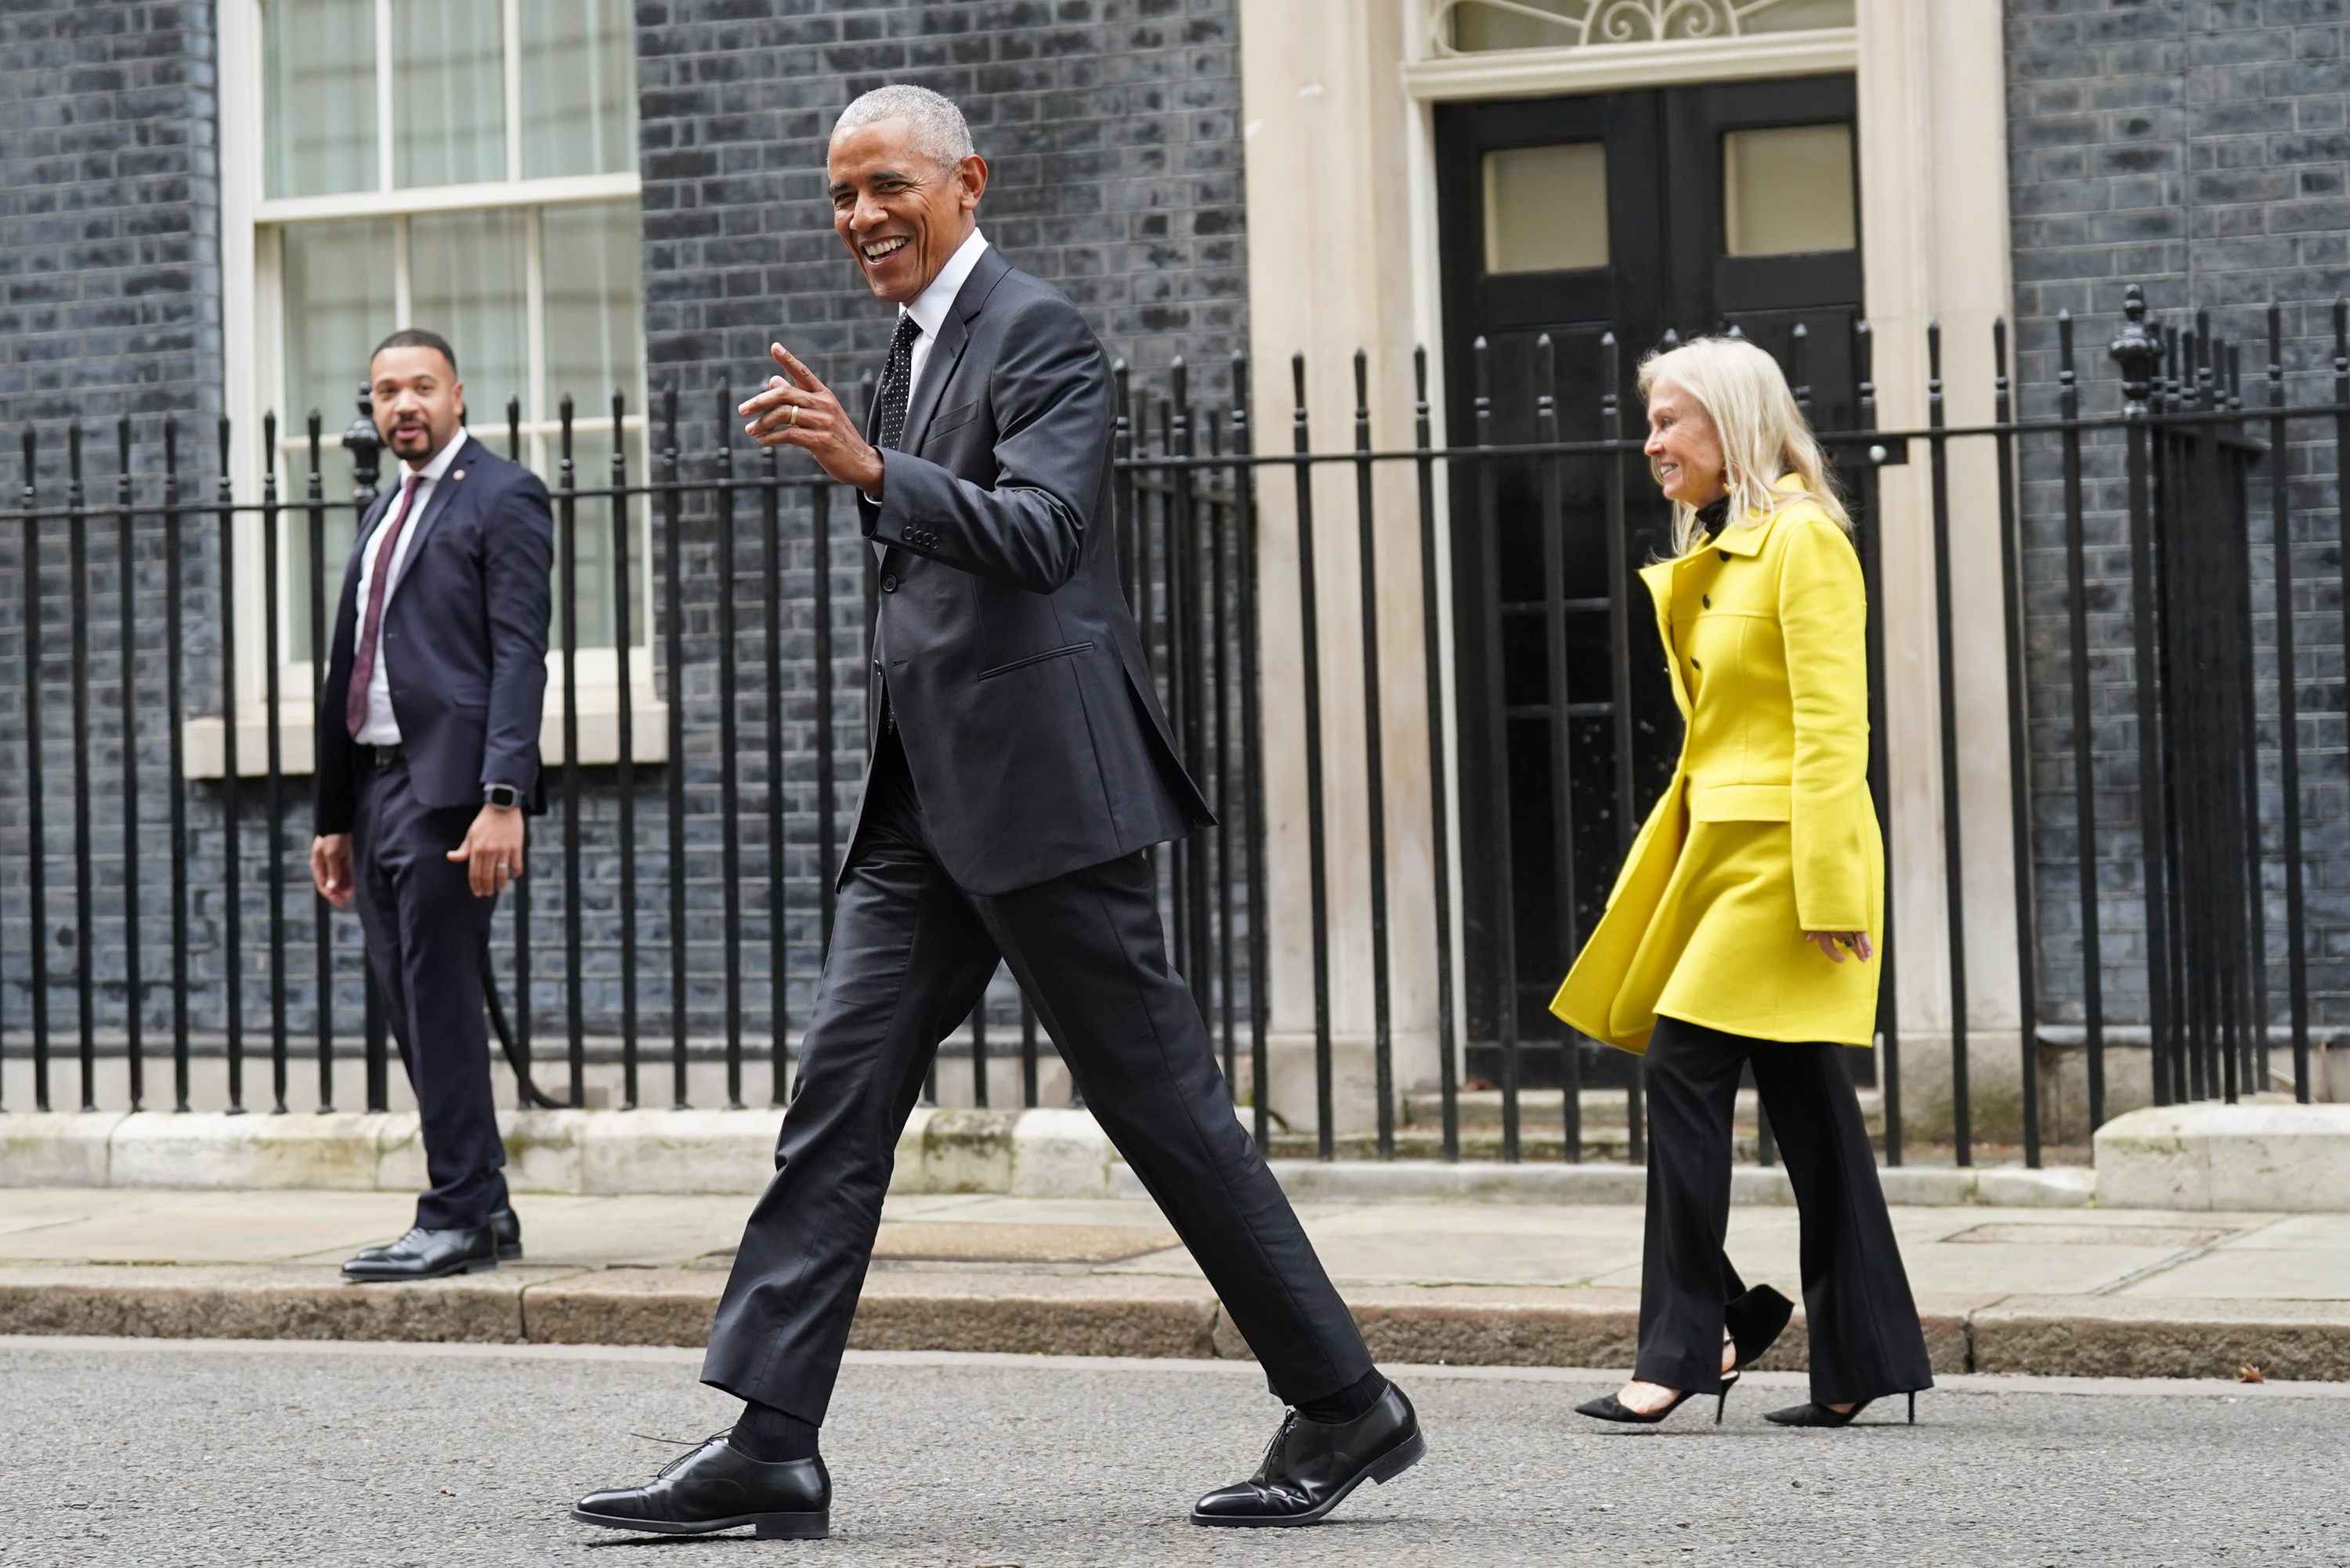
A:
[2263, 1154]
[1095, 1315]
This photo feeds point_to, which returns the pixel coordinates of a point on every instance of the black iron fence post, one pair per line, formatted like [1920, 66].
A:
[125, 560]
[2018, 750]
[1439, 816]
[2138, 354]
[1309, 637]
[1954, 862]
[1375, 830]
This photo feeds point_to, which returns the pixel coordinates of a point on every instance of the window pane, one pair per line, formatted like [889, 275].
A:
[448, 92]
[319, 103]
[593, 335]
[1787, 190]
[1547, 207]
[337, 291]
[578, 88]
[1477, 27]
[1796, 16]
[465, 281]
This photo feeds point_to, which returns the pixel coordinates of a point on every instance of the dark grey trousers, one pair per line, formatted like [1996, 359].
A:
[1866, 1341]
[911, 954]
[425, 930]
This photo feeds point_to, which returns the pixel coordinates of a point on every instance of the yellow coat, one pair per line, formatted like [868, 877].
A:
[1767, 830]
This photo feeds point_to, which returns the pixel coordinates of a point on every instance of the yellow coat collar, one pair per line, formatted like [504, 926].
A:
[1748, 540]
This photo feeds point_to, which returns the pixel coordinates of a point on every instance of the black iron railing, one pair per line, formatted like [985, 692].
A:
[690, 897]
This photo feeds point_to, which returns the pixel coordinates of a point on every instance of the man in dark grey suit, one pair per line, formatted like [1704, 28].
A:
[428, 755]
[1021, 766]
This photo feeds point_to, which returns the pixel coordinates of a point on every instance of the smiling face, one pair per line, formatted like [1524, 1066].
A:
[1683, 448]
[418, 402]
[900, 213]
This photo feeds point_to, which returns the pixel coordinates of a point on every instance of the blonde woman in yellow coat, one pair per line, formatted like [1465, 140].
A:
[1740, 930]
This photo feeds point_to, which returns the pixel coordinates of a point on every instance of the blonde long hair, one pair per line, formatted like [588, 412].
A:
[1764, 435]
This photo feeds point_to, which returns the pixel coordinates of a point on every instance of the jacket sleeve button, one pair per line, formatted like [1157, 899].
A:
[1706, 600]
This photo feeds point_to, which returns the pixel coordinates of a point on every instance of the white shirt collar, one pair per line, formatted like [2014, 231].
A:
[439, 466]
[931, 307]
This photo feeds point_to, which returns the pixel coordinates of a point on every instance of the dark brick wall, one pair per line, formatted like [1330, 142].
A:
[1111, 128]
[110, 253]
[2199, 148]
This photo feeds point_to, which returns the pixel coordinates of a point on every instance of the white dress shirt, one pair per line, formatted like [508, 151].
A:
[381, 728]
[931, 307]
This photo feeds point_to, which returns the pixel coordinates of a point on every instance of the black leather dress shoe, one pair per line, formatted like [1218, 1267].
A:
[503, 1224]
[424, 1254]
[1310, 1468]
[716, 1487]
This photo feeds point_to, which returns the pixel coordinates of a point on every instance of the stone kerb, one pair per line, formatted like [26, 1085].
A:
[2252, 1156]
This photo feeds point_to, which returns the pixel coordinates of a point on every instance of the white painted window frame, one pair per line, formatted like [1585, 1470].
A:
[253, 350]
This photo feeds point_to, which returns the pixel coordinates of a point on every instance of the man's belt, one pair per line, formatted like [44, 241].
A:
[379, 757]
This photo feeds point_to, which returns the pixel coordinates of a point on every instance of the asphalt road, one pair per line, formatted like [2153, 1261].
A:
[125, 1452]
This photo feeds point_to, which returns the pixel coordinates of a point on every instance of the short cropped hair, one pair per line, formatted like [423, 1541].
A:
[940, 132]
[418, 338]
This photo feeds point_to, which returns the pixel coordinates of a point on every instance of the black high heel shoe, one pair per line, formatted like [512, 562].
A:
[1811, 1414]
[1607, 1407]
[1754, 1323]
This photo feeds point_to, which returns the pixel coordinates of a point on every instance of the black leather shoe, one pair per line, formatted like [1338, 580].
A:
[1310, 1468]
[424, 1254]
[503, 1224]
[716, 1487]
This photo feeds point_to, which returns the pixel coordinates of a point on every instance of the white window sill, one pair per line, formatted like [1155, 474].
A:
[203, 739]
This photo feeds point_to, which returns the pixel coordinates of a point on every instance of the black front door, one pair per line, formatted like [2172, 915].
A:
[1674, 210]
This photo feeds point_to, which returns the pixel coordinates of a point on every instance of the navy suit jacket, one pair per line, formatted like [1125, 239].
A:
[463, 641]
[1028, 718]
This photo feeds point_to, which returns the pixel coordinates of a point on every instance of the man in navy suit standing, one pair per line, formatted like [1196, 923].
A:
[428, 756]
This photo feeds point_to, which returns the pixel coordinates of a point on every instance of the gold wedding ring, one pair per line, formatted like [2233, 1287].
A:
[794, 420]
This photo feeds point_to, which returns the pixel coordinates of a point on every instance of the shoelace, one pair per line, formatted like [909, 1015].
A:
[690, 1448]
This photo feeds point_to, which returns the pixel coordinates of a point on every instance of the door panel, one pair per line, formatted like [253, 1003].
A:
[1662, 156]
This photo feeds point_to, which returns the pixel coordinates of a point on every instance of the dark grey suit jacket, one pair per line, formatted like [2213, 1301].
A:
[464, 639]
[1029, 722]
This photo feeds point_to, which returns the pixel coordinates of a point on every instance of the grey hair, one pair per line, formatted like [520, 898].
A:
[939, 133]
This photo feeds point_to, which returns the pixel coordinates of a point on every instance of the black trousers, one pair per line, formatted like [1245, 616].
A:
[911, 954]
[1866, 1341]
[425, 930]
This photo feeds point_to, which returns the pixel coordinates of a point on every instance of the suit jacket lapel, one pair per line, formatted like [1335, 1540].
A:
[954, 337]
[445, 495]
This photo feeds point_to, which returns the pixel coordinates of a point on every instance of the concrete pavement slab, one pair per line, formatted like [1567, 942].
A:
[219, 1228]
[2279, 1274]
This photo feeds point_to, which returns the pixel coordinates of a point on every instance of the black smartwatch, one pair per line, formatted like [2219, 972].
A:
[505, 797]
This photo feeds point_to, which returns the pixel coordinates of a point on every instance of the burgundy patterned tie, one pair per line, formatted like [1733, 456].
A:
[354, 702]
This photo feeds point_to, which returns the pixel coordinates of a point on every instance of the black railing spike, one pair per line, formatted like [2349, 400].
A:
[1179, 379]
[2066, 375]
[1297, 386]
[1420, 376]
[2136, 351]
[268, 445]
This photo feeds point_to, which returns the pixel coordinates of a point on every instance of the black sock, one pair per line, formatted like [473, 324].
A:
[1347, 1404]
[772, 1435]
